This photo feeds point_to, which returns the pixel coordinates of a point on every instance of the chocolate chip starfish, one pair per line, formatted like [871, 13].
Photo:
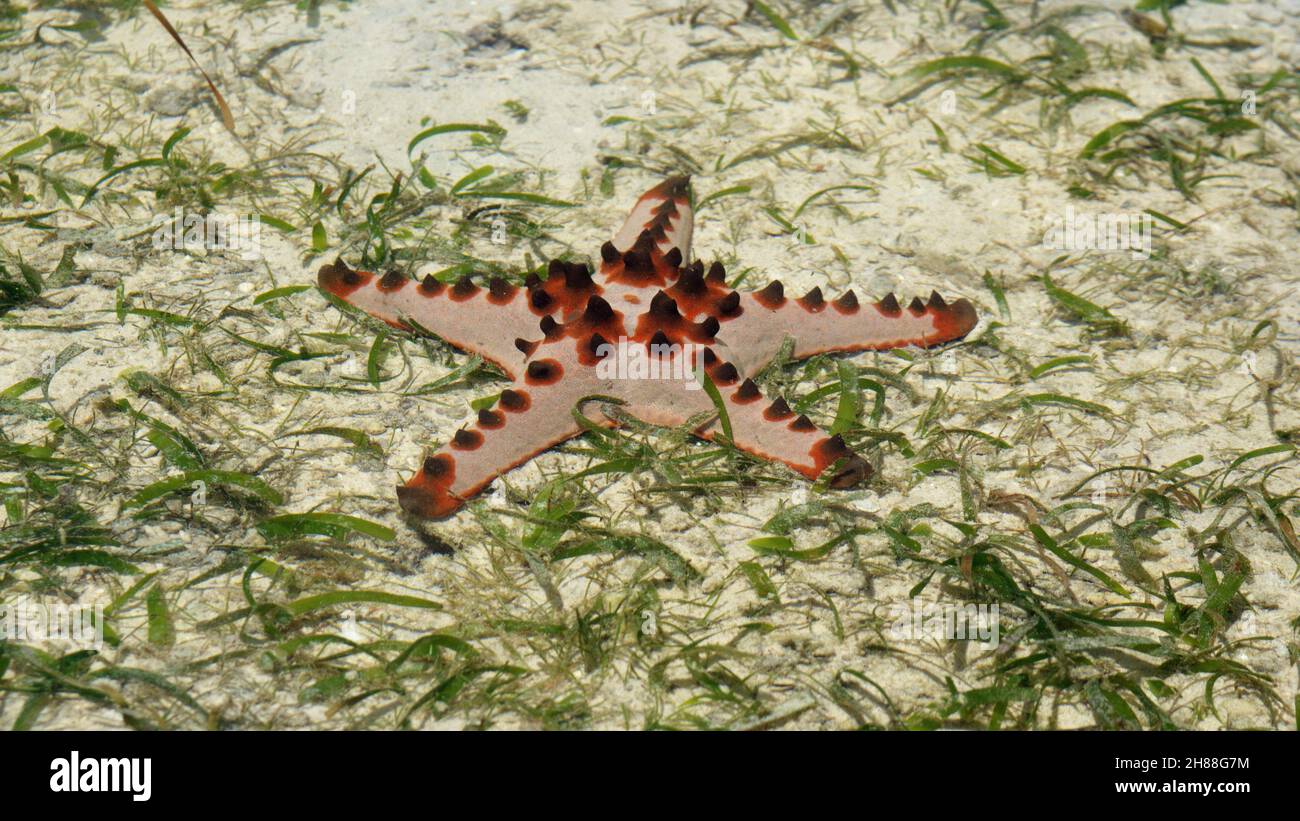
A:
[551, 336]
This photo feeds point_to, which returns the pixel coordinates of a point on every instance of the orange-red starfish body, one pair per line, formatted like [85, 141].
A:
[569, 336]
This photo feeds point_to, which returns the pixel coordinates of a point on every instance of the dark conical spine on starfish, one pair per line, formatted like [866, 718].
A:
[555, 336]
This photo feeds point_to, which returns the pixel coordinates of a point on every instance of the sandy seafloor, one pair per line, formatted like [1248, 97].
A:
[651, 83]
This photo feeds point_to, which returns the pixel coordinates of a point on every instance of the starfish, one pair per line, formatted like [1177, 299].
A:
[575, 334]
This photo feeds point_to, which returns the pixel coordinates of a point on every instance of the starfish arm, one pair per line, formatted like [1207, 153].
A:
[769, 430]
[465, 315]
[773, 431]
[819, 326]
[664, 211]
[534, 414]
